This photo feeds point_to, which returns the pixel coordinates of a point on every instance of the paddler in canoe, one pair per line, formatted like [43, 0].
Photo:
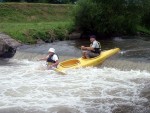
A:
[94, 50]
[52, 59]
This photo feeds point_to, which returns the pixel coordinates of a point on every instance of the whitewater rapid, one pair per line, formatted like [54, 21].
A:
[26, 87]
[119, 85]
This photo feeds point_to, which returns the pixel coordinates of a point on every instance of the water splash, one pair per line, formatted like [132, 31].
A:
[27, 87]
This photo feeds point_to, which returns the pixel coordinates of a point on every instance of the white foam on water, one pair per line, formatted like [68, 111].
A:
[99, 90]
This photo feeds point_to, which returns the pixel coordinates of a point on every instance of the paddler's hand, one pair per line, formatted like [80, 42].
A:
[50, 67]
[83, 47]
[38, 59]
[42, 59]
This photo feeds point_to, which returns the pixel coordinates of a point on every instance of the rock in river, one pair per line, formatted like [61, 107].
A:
[8, 46]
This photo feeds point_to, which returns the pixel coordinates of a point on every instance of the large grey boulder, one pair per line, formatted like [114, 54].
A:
[8, 46]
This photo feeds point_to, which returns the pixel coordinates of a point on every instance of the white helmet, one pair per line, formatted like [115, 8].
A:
[51, 50]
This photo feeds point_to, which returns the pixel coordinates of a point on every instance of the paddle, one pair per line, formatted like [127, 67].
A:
[59, 71]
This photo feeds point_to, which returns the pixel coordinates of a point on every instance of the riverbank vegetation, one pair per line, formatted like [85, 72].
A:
[30, 23]
[33, 22]
[112, 17]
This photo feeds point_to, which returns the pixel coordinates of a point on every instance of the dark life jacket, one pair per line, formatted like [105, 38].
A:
[50, 59]
[97, 50]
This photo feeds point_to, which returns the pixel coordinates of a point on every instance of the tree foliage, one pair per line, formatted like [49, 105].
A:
[43, 1]
[109, 17]
[145, 18]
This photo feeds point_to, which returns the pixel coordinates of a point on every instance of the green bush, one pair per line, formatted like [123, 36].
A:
[108, 17]
[58, 33]
[46, 36]
[61, 33]
[146, 20]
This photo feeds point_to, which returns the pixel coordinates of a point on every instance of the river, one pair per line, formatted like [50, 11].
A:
[119, 85]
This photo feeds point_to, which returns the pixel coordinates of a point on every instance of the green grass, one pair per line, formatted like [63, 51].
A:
[143, 29]
[29, 22]
[26, 32]
[30, 12]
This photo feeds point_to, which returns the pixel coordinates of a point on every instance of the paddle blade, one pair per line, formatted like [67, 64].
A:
[59, 71]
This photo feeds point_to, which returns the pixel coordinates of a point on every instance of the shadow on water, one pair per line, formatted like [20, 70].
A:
[3, 62]
[6, 62]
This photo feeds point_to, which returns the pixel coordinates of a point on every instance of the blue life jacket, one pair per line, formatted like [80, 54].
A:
[50, 59]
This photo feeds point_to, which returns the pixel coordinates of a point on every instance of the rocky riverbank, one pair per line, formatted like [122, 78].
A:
[8, 46]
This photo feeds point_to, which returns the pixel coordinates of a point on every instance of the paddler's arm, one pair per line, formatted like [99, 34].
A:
[54, 64]
[87, 48]
[44, 58]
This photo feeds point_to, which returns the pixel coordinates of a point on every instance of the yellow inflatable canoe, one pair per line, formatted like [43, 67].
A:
[81, 62]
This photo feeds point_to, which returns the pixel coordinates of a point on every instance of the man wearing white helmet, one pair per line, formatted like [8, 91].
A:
[52, 59]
